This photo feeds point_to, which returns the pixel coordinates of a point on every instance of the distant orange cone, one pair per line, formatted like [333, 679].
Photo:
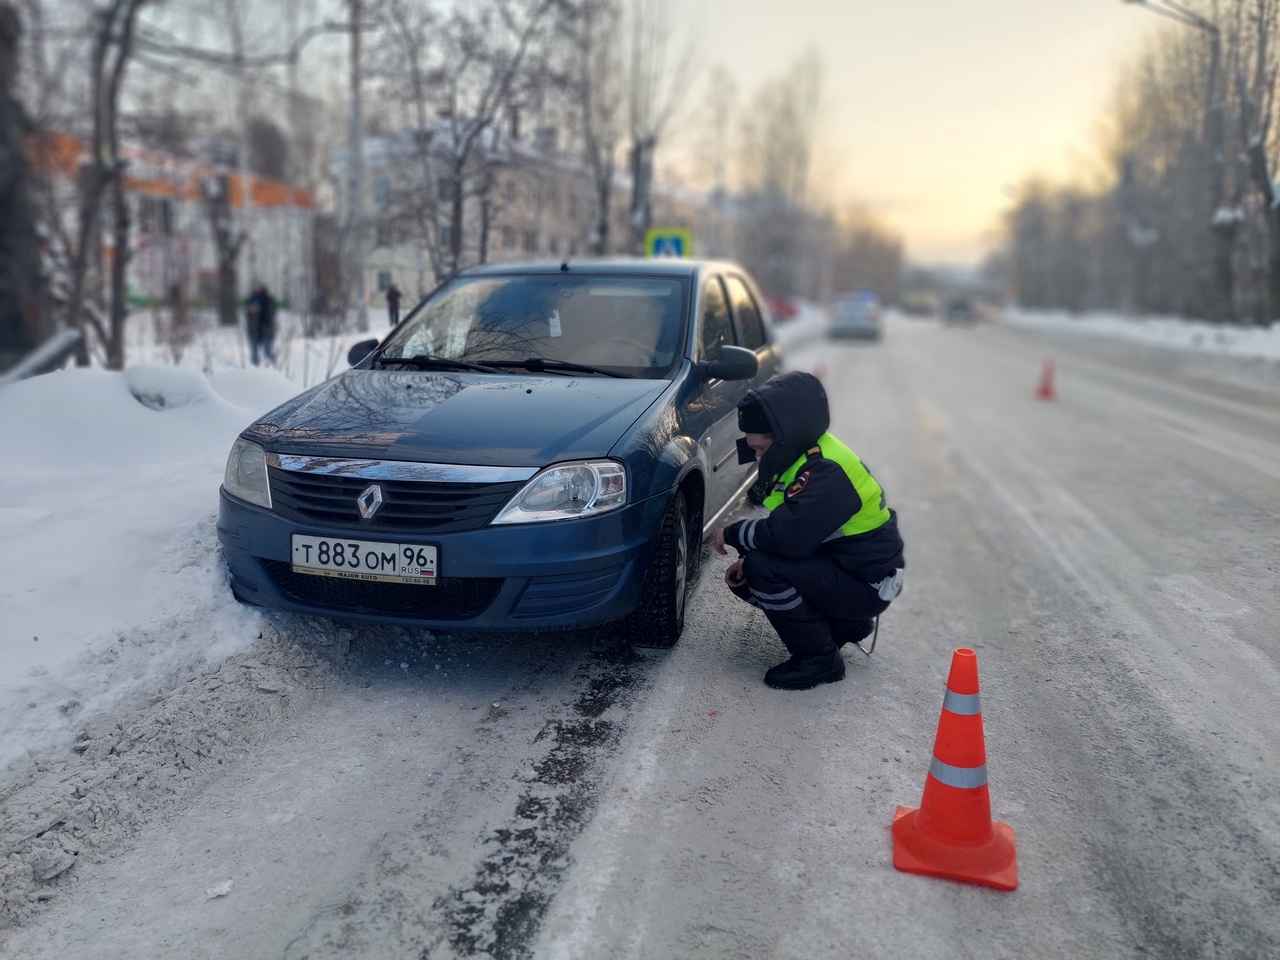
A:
[1045, 390]
[952, 834]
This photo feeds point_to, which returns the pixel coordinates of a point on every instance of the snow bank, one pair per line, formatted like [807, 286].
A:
[108, 556]
[1227, 339]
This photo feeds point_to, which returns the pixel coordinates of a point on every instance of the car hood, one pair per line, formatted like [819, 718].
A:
[518, 420]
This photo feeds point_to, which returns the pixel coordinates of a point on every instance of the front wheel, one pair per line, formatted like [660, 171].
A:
[658, 619]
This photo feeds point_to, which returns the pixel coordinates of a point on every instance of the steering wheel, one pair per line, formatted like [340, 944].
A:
[622, 351]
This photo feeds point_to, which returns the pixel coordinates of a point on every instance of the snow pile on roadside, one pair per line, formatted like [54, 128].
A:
[106, 535]
[1228, 339]
[128, 670]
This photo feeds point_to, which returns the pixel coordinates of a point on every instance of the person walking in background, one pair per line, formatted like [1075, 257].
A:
[827, 560]
[260, 312]
[393, 304]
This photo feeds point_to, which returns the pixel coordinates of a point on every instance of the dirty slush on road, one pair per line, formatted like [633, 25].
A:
[126, 772]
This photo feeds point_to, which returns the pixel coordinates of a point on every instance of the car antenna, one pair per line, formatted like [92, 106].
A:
[564, 267]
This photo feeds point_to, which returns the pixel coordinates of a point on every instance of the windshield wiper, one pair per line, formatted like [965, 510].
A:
[429, 361]
[540, 364]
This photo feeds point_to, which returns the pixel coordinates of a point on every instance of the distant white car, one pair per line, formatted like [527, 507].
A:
[856, 315]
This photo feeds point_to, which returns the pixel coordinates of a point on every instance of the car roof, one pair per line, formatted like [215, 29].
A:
[617, 266]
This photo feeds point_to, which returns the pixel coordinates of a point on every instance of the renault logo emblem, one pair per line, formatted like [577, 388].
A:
[370, 500]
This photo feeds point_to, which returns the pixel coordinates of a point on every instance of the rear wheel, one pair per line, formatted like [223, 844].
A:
[658, 619]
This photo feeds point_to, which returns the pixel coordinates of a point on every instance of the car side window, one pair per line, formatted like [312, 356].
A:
[717, 329]
[747, 314]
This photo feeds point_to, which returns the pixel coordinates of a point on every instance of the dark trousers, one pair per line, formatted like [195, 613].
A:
[264, 345]
[805, 597]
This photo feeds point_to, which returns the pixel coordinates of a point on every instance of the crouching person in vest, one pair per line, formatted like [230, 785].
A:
[827, 560]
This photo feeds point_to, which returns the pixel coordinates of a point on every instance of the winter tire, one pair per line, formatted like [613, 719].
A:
[658, 619]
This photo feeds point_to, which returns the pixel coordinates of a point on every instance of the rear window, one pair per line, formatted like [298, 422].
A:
[854, 310]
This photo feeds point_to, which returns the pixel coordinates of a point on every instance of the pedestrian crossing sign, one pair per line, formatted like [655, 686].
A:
[668, 242]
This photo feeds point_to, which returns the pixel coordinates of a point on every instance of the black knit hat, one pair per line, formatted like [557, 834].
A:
[752, 418]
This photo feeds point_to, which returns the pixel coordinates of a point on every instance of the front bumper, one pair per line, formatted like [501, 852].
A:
[538, 576]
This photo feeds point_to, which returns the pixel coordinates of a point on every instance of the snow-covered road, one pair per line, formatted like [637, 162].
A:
[1110, 555]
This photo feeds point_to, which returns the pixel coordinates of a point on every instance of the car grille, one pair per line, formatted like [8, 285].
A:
[456, 598]
[421, 506]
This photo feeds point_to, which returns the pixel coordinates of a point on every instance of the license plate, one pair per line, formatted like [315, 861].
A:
[365, 559]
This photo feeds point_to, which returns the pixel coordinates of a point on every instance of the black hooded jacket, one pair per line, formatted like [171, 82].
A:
[796, 406]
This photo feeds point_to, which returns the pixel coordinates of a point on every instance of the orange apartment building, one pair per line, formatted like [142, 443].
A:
[172, 243]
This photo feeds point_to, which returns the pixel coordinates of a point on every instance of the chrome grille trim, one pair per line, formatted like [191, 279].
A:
[400, 469]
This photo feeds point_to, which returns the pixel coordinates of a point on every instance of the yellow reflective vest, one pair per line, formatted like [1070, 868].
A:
[872, 514]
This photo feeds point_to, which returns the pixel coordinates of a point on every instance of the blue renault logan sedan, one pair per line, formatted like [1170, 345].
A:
[535, 447]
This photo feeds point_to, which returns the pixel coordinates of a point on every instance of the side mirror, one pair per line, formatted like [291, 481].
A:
[361, 350]
[734, 363]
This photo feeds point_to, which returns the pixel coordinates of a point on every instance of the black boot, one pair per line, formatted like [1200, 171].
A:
[850, 631]
[804, 673]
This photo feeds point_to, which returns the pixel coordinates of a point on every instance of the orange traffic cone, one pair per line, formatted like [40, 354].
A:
[1045, 390]
[952, 834]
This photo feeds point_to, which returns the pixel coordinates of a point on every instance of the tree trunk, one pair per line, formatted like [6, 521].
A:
[1273, 266]
[119, 268]
[455, 220]
[1222, 298]
[226, 244]
[23, 311]
[92, 181]
[604, 210]
[641, 209]
[227, 282]
[486, 218]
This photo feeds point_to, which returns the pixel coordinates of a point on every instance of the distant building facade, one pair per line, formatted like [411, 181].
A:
[528, 200]
[172, 244]
[523, 200]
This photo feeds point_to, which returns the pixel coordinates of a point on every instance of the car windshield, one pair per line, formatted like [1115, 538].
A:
[624, 324]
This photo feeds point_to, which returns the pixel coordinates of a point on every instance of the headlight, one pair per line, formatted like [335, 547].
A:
[568, 490]
[246, 475]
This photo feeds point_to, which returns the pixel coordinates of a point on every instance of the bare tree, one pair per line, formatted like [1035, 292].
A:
[1256, 86]
[778, 132]
[1189, 223]
[777, 142]
[21, 315]
[407, 67]
[868, 256]
[228, 239]
[715, 141]
[488, 51]
[657, 77]
[112, 48]
[457, 74]
[597, 85]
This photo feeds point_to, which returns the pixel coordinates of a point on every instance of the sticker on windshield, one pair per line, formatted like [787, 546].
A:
[554, 323]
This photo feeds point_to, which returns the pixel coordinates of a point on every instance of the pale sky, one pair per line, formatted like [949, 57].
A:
[932, 110]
